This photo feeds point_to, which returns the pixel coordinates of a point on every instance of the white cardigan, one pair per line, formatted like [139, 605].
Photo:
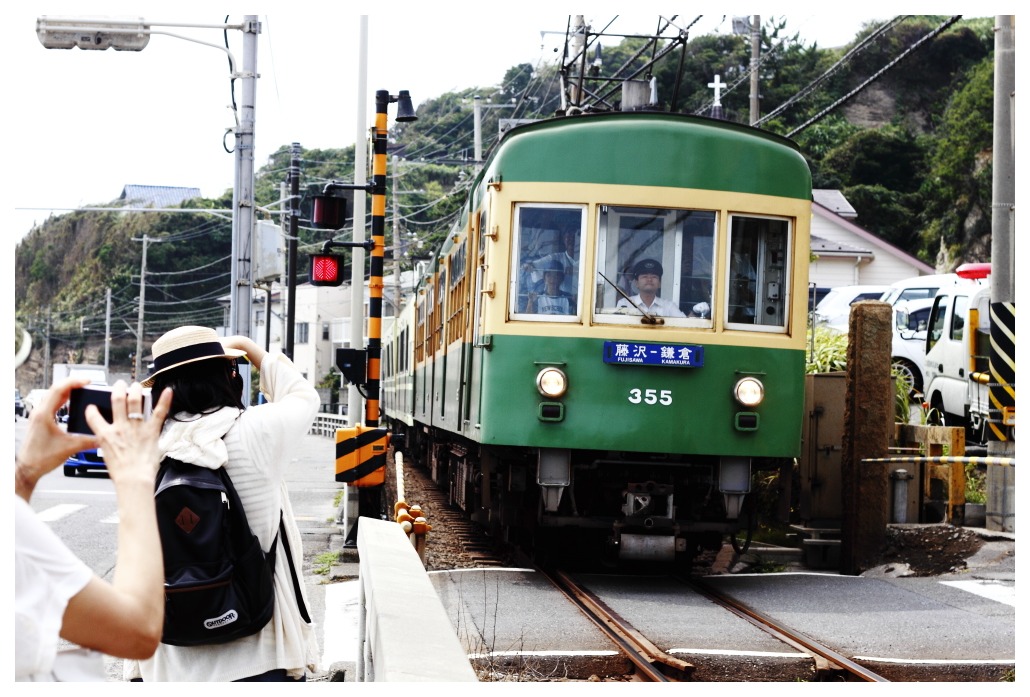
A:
[256, 447]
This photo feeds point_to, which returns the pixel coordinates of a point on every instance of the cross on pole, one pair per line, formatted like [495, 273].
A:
[717, 85]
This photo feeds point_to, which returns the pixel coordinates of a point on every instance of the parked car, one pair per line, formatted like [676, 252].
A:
[33, 400]
[908, 347]
[918, 287]
[833, 310]
[815, 295]
[86, 463]
[19, 404]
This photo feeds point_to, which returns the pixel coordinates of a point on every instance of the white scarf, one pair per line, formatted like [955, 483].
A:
[198, 439]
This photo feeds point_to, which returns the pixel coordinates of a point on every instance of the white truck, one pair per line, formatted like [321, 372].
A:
[958, 346]
[96, 373]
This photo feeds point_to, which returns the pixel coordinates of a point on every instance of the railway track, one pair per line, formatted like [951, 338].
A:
[830, 666]
[654, 665]
[455, 542]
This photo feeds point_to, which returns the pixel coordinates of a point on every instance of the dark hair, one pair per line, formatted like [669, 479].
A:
[202, 387]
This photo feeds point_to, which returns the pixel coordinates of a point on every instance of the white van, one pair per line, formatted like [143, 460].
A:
[918, 287]
[958, 352]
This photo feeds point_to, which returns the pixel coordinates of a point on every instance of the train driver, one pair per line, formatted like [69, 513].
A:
[648, 277]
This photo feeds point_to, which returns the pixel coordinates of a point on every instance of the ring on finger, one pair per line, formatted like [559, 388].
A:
[136, 416]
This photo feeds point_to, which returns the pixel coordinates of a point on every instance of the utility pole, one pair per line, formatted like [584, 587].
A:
[357, 284]
[477, 124]
[243, 194]
[47, 377]
[139, 317]
[107, 335]
[756, 44]
[1001, 481]
[291, 245]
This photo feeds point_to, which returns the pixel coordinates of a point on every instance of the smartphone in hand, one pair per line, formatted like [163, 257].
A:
[99, 395]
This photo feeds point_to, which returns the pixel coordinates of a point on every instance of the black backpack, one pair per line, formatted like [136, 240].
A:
[218, 580]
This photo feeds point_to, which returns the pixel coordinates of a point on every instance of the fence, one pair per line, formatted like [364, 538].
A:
[326, 424]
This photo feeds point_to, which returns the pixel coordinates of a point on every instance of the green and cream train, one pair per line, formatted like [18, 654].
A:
[611, 341]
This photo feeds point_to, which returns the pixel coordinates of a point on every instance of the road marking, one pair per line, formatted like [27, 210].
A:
[992, 590]
[59, 511]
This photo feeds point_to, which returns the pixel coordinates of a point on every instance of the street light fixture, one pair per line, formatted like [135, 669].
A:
[93, 34]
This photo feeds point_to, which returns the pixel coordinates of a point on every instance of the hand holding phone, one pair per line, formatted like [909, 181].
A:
[100, 395]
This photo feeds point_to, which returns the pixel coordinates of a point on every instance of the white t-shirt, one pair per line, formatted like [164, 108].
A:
[46, 576]
[553, 305]
[659, 308]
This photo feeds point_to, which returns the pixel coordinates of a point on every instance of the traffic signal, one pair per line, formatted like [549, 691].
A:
[326, 269]
[329, 212]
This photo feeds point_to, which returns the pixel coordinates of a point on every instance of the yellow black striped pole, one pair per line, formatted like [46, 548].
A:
[1002, 392]
[361, 449]
[375, 276]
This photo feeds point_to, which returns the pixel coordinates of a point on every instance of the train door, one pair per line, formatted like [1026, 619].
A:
[439, 347]
[473, 364]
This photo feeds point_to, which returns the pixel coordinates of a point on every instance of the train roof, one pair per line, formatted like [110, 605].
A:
[676, 150]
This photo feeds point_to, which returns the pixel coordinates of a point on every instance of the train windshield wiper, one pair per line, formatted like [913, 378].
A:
[647, 317]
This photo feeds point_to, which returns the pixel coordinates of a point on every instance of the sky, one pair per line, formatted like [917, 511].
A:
[86, 123]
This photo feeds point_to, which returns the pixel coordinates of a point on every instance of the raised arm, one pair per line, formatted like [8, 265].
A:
[125, 618]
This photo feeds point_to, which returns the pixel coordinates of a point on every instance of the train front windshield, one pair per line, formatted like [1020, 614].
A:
[651, 263]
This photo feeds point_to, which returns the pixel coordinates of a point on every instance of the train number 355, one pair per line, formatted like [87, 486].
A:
[648, 396]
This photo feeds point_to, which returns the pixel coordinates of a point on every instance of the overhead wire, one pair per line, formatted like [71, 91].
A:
[822, 114]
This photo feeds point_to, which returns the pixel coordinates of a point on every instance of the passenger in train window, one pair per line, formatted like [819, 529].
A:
[553, 300]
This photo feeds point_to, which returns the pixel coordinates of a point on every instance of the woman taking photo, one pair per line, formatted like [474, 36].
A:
[208, 426]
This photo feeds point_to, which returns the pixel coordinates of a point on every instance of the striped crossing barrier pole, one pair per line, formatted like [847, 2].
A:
[361, 449]
[1002, 392]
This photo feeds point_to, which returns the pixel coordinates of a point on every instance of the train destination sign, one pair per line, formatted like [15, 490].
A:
[636, 353]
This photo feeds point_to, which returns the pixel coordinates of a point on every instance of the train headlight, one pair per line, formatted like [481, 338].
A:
[551, 383]
[749, 391]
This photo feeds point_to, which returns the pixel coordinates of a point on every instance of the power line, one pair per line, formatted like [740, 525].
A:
[944, 25]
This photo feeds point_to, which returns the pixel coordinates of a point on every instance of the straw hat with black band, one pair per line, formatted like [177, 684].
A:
[187, 345]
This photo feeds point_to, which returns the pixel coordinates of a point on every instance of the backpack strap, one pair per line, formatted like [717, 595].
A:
[293, 571]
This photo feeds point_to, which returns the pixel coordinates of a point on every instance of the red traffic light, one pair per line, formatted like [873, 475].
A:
[326, 270]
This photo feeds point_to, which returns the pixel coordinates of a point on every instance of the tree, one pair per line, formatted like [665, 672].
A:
[958, 185]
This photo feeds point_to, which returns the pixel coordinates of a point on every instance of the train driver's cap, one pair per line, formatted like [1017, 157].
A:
[647, 266]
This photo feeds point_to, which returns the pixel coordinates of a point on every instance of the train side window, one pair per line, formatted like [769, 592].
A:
[757, 280]
[546, 262]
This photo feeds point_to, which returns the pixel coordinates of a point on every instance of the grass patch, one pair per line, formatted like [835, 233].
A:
[976, 484]
[323, 562]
